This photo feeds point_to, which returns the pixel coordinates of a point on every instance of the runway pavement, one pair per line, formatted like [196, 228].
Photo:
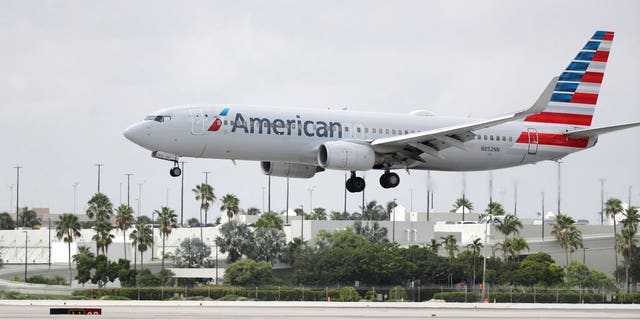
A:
[39, 309]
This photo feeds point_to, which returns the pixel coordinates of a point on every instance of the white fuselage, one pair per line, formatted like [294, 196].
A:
[294, 135]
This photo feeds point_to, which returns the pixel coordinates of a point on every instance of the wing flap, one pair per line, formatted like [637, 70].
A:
[456, 135]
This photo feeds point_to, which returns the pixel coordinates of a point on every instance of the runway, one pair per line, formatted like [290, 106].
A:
[39, 309]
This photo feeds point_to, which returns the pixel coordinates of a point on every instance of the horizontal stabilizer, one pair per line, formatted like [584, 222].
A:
[586, 133]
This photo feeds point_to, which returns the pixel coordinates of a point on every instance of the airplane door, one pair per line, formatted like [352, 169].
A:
[197, 123]
[533, 140]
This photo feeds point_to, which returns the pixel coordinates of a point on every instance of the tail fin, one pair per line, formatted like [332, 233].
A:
[576, 93]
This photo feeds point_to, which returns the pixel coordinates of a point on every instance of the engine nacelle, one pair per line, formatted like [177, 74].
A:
[343, 155]
[288, 169]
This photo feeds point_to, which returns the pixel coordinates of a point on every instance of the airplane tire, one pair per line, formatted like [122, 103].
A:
[389, 180]
[175, 172]
[355, 184]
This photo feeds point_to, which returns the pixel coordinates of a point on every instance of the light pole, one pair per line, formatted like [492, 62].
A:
[269, 197]
[75, 193]
[11, 197]
[128, 188]
[602, 201]
[206, 176]
[629, 203]
[490, 192]
[428, 192]
[559, 186]
[18, 196]
[484, 262]
[140, 197]
[99, 165]
[263, 189]
[515, 198]
[302, 223]
[26, 239]
[182, 195]
[411, 199]
[311, 198]
[542, 215]
[287, 212]
[464, 190]
[393, 221]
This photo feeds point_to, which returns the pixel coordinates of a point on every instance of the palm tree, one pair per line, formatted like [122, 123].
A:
[253, 211]
[631, 218]
[269, 220]
[318, 214]
[475, 247]
[612, 207]
[204, 194]
[230, 205]
[373, 232]
[627, 246]
[142, 238]
[271, 245]
[495, 209]
[339, 215]
[451, 245]
[516, 245]
[374, 211]
[103, 236]
[167, 220]
[574, 240]
[562, 229]
[68, 228]
[434, 246]
[389, 207]
[83, 251]
[100, 207]
[509, 225]
[29, 218]
[6, 222]
[462, 202]
[236, 239]
[124, 220]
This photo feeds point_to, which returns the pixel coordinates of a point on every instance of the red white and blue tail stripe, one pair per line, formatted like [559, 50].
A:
[576, 93]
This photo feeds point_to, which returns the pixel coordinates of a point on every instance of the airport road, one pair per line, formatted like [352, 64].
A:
[33, 309]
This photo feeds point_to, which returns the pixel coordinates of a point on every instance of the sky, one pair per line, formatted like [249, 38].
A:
[75, 74]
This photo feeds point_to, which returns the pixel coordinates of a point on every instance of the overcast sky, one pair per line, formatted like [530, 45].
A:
[75, 74]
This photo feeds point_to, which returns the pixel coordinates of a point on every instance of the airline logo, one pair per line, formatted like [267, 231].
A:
[217, 122]
[576, 93]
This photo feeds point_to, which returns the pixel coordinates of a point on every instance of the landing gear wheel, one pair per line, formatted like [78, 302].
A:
[175, 172]
[355, 184]
[389, 180]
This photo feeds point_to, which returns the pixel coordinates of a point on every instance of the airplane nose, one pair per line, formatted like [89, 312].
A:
[135, 133]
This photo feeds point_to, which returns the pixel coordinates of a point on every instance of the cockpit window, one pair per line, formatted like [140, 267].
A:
[158, 118]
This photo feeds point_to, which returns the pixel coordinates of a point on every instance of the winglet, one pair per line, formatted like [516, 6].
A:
[543, 99]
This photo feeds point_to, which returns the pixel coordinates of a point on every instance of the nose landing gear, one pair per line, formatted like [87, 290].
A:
[355, 184]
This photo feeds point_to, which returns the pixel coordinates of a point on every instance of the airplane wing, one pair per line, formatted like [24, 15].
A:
[586, 133]
[432, 141]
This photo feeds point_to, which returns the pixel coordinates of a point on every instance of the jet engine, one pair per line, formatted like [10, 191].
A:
[289, 169]
[343, 155]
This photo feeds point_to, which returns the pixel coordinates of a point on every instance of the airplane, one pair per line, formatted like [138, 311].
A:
[300, 142]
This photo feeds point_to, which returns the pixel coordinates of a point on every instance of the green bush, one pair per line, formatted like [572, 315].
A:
[629, 297]
[349, 294]
[398, 293]
[456, 296]
[56, 280]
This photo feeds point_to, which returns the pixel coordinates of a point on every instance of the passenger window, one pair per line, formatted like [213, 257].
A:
[358, 129]
[393, 131]
[406, 132]
[485, 137]
[366, 130]
[504, 138]
[491, 137]
[373, 130]
[225, 122]
[386, 131]
[346, 129]
[510, 139]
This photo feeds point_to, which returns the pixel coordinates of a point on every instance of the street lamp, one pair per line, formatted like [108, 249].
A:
[484, 262]
[26, 239]
[75, 191]
[182, 195]
[17, 195]
[311, 197]
[393, 221]
[302, 223]
[99, 165]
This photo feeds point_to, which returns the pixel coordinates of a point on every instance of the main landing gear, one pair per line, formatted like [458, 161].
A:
[175, 171]
[355, 184]
[387, 180]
